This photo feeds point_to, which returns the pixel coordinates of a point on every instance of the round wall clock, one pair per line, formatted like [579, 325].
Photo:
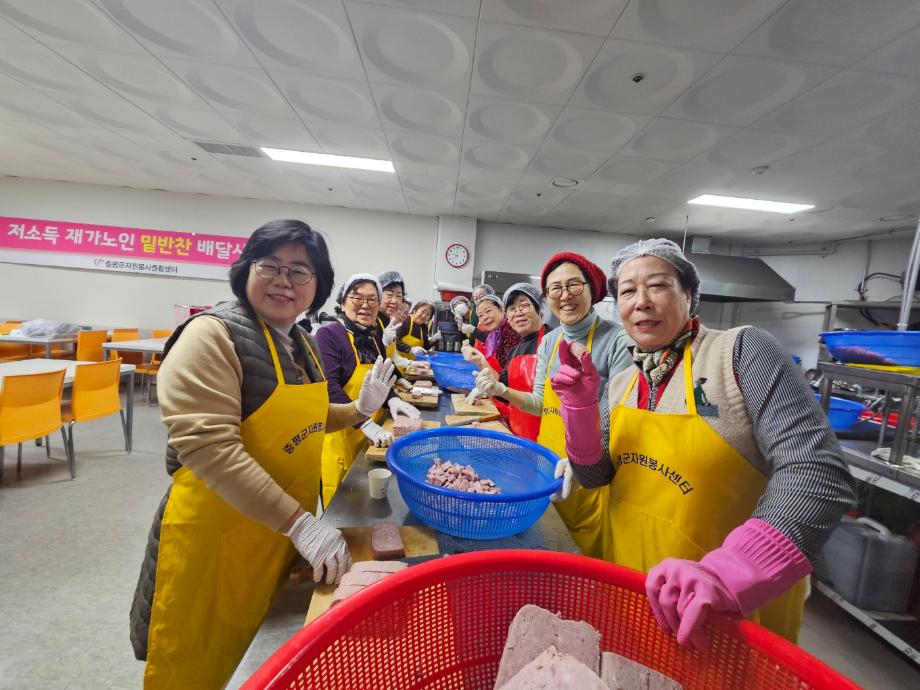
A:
[457, 255]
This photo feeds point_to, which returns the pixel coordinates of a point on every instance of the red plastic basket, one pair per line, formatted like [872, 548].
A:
[443, 624]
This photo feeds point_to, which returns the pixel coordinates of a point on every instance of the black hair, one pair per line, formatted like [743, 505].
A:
[273, 234]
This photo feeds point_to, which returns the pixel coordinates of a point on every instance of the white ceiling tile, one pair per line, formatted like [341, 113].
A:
[193, 123]
[738, 90]
[10, 33]
[502, 162]
[675, 140]
[185, 29]
[44, 69]
[595, 17]
[464, 8]
[139, 78]
[901, 56]
[477, 206]
[750, 148]
[832, 158]
[21, 99]
[898, 130]
[419, 110]
[889, 198]
[336, 100]
[543, 198]
[414, 48]
[427, 185]
[350, 141]
[483, 189]
[712, 25]
[627, 175]
[408, 168]
[594, 131]
[557, 161]
[513, 122]
[233, 89]
[116, 114]
[424, 148]
[313, 36]
[844, 101]
[587, 204]
[77, 22]
[821, 191]
[831, 32]
[665, 74]
[274, 132]
[373, 182]
[530, 64]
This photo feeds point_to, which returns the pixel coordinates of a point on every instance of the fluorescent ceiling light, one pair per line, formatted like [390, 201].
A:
[749, 204]
[330, 160]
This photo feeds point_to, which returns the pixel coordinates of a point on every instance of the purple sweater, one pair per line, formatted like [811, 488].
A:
[339, 360]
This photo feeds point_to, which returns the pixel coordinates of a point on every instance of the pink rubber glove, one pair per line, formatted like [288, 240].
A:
[755, 564]
[577, 384]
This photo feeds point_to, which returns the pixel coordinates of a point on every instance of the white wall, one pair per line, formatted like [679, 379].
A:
[358, 241]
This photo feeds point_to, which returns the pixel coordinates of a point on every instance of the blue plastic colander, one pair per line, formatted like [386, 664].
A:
[521, 468]
[453, 372]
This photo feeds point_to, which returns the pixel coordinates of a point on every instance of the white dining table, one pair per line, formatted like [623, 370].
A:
[151, 345]
[46, 340]
[43, 366]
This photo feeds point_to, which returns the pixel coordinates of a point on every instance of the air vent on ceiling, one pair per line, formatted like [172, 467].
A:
[231, 149]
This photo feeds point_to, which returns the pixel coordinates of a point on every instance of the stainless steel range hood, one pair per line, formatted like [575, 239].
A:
[739, 279]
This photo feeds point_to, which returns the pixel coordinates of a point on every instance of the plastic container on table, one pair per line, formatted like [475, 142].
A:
[442, 624]
[842, 413]
[522, 469]
[890, 348]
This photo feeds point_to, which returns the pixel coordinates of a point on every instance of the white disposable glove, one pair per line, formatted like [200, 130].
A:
[389, 333]
[473, 396]
[375, 387]
[471, 354]
[564, 471]
[401, 361]
[419, 351]
[461, 310]
[434, 337]
[376, 434]
[467, 328]
[402, 383]
[322, 546]
[487, 382]
[398, 406]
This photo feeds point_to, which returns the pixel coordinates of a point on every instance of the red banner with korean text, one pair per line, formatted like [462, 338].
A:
[114, 248]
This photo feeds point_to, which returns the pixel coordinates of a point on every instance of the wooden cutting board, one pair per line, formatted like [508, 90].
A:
[419, 541]
[375, 454]
[461, 406]
[418, 377]
[494, 425]
[426, 402]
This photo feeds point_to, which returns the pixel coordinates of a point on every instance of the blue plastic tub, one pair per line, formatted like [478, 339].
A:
[522, 469]
[453, 372]
[890, 348]
[842, 413]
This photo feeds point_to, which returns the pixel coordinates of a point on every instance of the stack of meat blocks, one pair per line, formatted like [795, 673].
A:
[386, 544]
[546, 652]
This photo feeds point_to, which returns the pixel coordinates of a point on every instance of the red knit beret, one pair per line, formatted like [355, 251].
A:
[592, 272]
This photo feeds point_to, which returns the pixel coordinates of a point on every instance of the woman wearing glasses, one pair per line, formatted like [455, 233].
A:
[414, 337]
[572, 285]
[350, 347]
[244, 400]
[392, 313]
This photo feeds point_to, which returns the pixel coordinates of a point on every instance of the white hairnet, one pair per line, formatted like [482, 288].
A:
[354, 280]
[666, 250]
[527, 289]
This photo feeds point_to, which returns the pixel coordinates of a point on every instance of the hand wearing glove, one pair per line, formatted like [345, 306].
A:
[322, 546]
[376, 434]
[418, 351]
[404, 384]
[400, 361]
[755, 564]
[577, 384]
[389, 333]
[434, 337]
[461, 310]
[467, 328]
[471, 354]
[564, 472]
[487, 382]
[375, 387]
[398, 406]
[473, 396]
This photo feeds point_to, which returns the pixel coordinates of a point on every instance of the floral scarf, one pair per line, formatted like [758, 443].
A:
[500, 342]
[657, 364]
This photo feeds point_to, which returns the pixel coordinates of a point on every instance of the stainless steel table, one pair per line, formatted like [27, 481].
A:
[42, 366]
[47, 341]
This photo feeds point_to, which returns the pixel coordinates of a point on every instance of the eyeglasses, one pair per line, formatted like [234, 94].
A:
[522, 308]
[298, 275]
[573, 287]
[358, 300]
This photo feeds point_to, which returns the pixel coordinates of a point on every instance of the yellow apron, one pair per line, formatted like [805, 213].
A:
[583, 511]
[411, 340]
[679, 489]
[391, 348]
[340, 447]
[217, 570]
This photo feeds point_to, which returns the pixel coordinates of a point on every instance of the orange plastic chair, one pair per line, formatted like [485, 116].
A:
[13, 352]
[135, 358]
[89, 346]
[94, 395]
[148, 370]
[30, 408]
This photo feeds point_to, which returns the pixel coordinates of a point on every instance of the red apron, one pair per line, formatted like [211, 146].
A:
[522, 371]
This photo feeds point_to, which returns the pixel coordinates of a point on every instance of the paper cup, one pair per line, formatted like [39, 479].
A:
[377, 481]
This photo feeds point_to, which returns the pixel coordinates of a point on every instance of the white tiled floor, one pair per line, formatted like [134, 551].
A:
[70, 553]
